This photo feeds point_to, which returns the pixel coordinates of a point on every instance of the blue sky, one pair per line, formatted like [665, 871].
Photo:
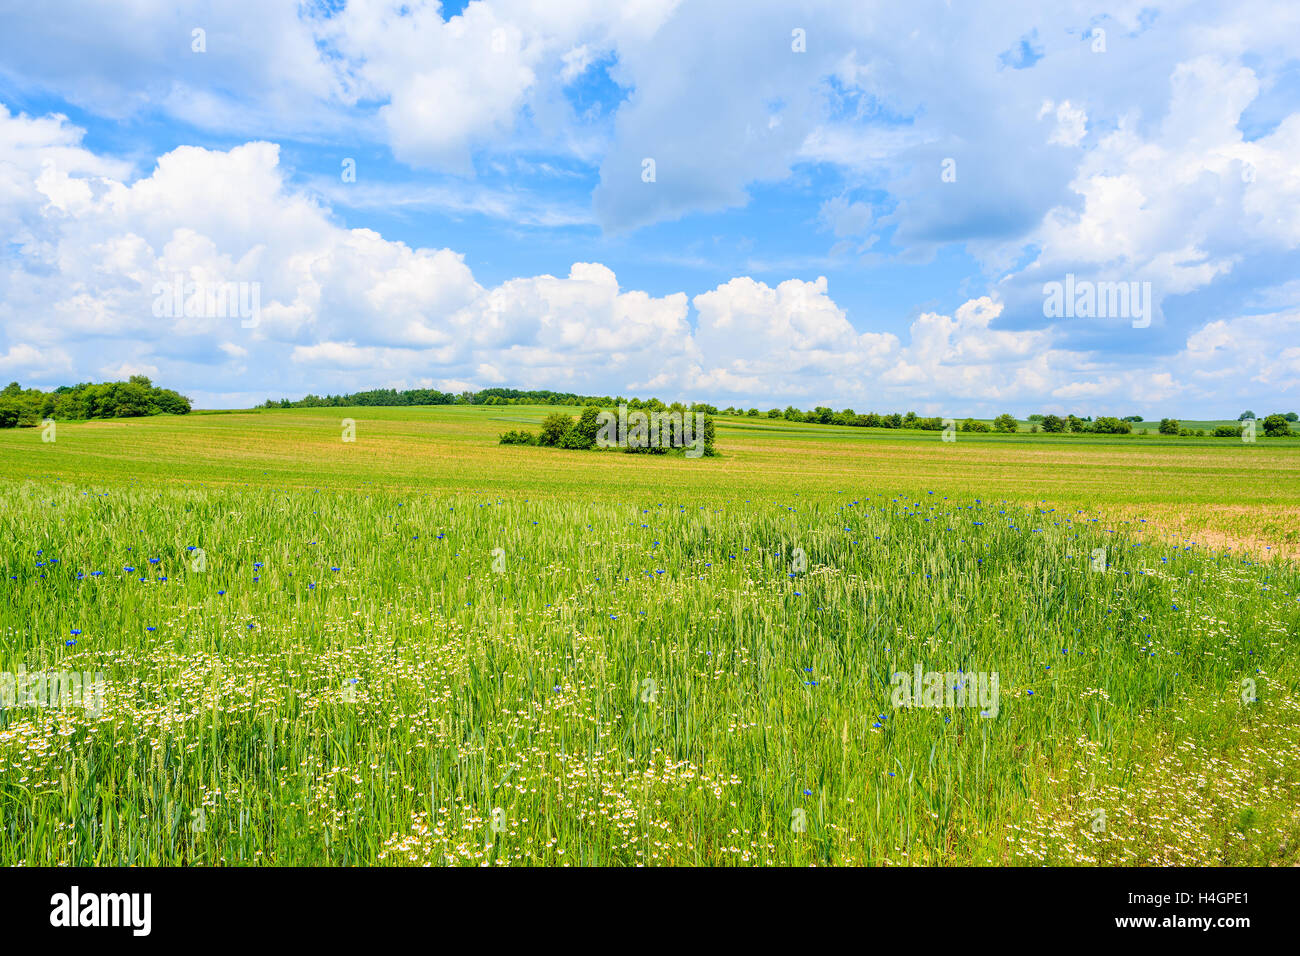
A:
[852, 205]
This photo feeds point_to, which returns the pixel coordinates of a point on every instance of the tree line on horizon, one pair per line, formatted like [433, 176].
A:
[138, 397]
[820, 415]
[25, 408]
[391, 397]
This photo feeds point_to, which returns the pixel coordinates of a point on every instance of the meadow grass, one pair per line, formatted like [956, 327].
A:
[424, 648]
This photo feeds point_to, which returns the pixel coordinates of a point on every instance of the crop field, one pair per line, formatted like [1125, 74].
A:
[420, 647]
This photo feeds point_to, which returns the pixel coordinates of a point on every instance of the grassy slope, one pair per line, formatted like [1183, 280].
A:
[1209, 490]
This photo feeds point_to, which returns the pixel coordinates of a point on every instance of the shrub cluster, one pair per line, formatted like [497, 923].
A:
[1274, 426]
[562, 431]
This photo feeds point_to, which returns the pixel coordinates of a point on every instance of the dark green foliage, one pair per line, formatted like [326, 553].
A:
[1276, 426]
[1106, 425]
[584, 430]
[130, 399]
[554, 428]
[561, 431]
[518, 437]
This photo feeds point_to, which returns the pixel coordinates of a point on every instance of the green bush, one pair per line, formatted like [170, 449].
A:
[582, 433]
[1106, 425]
[1276, 426]
[554, 428]
[518, 437]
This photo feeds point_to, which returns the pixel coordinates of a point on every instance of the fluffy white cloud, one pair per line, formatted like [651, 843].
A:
[1263, 349]
[1071, 123]
[1179, 203]
[348, 308]
[259, 67]
[329, 298]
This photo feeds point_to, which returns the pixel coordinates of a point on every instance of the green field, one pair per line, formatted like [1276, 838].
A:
[422, 647]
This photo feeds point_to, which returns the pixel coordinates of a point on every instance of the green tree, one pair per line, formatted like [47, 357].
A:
[554, 428]
[1169, 426]
[1276, 426]
[1005, 423]
[582, 433]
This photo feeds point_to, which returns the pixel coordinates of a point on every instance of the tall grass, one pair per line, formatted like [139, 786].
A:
[402, 677]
